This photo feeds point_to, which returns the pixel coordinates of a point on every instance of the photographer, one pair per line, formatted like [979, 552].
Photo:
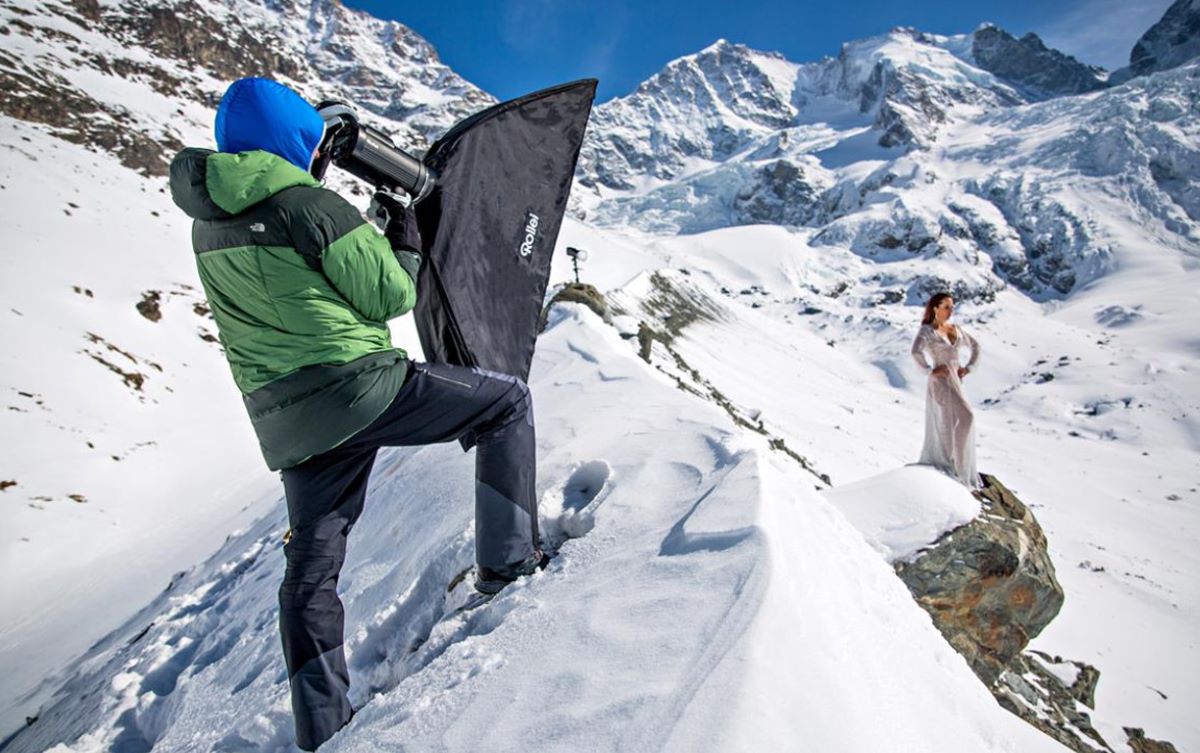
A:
[301, 287]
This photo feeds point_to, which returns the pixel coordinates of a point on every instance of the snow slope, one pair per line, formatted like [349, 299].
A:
[128, 456]
[158, 458]
[1066, 228]
[762, 612]
[1092, 422]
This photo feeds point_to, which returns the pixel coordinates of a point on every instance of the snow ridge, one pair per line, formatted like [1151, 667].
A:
[807, 207]
[690, 521]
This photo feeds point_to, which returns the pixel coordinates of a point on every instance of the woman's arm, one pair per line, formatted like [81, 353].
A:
[973, 344]
[918, 350]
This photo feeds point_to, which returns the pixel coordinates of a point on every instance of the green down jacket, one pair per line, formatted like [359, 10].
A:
[301, 287]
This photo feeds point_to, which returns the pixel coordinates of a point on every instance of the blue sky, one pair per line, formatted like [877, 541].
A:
[510, 48]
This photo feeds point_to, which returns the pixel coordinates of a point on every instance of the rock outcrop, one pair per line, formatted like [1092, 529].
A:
[1171, 42]
[577, 292]
[1036, 70]
[990, 588]
[1033, 687]
[321, 47]
[1139, 743]
[989, 585]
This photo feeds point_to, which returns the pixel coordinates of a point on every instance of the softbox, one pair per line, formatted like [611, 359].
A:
[490, 225]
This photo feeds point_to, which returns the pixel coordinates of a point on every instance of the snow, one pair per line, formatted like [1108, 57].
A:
[737, 501]
[900, 512]
[135, 456]
[787, 608]
[164, 472]
[1105, 452]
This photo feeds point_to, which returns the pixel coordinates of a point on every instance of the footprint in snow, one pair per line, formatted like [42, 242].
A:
[431, 618]
[569, 512]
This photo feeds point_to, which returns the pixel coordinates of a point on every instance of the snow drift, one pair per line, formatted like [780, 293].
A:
[718, 603]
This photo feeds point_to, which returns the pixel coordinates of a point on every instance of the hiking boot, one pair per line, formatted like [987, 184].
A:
[490, 582]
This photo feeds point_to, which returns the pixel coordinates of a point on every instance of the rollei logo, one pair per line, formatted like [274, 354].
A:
[531, 231]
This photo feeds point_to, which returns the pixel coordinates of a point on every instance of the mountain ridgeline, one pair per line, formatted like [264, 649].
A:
[726, 136]
[735, 136]
[986, 164]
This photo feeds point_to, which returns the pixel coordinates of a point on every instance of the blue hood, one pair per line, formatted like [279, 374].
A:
[257, 113]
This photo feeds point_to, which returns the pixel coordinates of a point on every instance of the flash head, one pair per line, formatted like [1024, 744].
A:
[368, 153]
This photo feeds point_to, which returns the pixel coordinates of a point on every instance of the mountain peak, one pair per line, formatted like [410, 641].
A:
[723, 48]
[1038, 71]
[1171, 42]
[321, 47]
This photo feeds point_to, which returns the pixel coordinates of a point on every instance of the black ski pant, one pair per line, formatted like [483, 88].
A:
[325, 494]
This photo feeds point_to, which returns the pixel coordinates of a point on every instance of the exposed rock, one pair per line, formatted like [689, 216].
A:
[909, 105]
[907, 113]
[1055, 242]
[40, 96]
[1036, 70]
[989, 585]
[926, 285]
[384, 68]
[669, 302]
[780, 193]
[990, 588]
[150, 305]
[1171, 42]
[132, 379]
[186, 32]
[898, 235]
[886, 297]
[675, 303]
[577, 292]
[1142, 744]
[707, 106]
[1032, 689]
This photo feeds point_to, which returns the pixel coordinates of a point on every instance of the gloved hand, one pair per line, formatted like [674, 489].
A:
[393, 214]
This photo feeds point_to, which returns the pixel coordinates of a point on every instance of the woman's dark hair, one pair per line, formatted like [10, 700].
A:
[934, 301]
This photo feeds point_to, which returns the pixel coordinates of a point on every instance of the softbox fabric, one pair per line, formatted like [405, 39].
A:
[490, 225]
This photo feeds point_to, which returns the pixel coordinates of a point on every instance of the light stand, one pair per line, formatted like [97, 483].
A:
[577, 255]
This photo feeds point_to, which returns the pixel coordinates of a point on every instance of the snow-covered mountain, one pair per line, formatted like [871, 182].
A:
[706, 108]
[139, 78]
[767, 227]
[1171, 42]
[127, 457]
[878, 149]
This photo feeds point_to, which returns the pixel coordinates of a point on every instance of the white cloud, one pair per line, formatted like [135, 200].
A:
[526, 24]
[1102, 32]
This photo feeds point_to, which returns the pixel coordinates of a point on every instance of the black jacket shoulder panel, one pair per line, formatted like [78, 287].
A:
[264, 224]
[189, 188]
[316, 217]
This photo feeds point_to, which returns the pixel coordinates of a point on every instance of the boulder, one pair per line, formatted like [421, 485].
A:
[989, 585]
[1142, 744]
[577, 292]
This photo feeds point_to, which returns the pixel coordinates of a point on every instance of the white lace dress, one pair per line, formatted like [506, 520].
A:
[949, 420]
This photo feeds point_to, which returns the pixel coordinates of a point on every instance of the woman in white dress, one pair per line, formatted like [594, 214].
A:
[949, 420]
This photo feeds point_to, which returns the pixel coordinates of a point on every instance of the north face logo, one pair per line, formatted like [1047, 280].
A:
[258, 227]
